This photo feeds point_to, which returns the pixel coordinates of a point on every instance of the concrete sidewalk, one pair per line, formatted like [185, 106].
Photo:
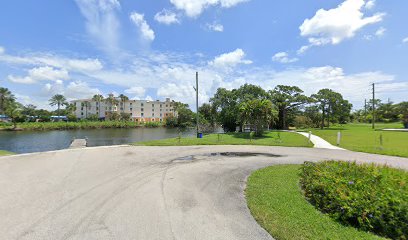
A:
[319, 142]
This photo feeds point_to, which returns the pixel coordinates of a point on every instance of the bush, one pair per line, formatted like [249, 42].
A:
[303, 122]
[152, 124]
[368, 197]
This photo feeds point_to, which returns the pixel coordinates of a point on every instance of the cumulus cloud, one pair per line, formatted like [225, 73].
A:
[231, 59]
[138, 92]
[102, 23]
[283, 57]
[194, 8]
[370, 4]
[41, 73]
[380, 32]
[166, 17]
[335, 25]
[405, 40]
[2, 50]
[146, 32]
[216, 27]
[50, 60]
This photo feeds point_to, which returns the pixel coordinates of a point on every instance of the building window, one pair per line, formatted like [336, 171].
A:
[152, 105]
[97, 108]
[82, 108]
[142, 114]
[161, 110]
[161, 105]
[153, 110]
[161, 115]
[152, 114]
[131, 114]
[82, 113]
[167, 105]
[142, 109]
[131, 109]
[130, 104]
[142, 105]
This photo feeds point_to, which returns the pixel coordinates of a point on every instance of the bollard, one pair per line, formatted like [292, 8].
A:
[338, 138]
[310, 136]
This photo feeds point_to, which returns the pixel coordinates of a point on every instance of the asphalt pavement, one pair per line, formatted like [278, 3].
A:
[134, 192]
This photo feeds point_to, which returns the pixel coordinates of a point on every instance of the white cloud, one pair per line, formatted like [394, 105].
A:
[102, 22]
[380, 32]
[79, 89]
[87, 65]
[370, 4]
[2, 50]
[216, 27]
[41, 73]
[45, 59]
[22, 80]
[194, 8]
[138, 92]
[283, 57]
[405, 40]
[48, 73]
[231, 59]
[146, 32]
[335, 25]
[166, 17]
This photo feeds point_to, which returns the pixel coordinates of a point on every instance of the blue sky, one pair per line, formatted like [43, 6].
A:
[152, 49]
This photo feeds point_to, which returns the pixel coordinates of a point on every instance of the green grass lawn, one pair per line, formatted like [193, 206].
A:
[362, 138]
[269, 139]
[4, 153]
[276, 202]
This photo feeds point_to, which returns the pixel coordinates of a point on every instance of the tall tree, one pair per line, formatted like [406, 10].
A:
[225, 102]
[6, 97]
[208, 113]
[287, 98]
[98, 98]
[58, 100]
[257, 112]
[332, 105]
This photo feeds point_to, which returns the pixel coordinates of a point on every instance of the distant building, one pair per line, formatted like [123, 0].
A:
[139, 110]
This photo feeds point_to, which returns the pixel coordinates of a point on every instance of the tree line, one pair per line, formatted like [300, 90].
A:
[278, 108]
[383, 112]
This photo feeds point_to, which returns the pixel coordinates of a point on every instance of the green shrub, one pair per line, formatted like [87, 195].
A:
[368, 197]
[152, 124]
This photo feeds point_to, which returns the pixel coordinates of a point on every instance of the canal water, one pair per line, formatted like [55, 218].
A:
[37, 141]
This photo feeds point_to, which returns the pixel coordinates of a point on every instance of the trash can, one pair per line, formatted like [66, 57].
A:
[199, 135]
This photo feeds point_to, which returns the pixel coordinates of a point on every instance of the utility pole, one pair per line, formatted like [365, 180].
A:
[196, 89]
[373, 106]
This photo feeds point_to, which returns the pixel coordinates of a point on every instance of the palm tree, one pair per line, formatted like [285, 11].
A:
[98, 98]
[5, 97]
[123, 99]
[86, 105]
[58, 100]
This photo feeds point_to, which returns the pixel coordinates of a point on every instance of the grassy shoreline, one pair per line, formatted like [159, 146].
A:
[44, 126]
[276, 202]
[286, 139]
[5, 153]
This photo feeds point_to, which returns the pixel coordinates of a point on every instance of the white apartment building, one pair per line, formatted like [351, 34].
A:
[139, 110]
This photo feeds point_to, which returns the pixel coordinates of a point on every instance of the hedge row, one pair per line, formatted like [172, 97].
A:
[368, 197]
[81, 125]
